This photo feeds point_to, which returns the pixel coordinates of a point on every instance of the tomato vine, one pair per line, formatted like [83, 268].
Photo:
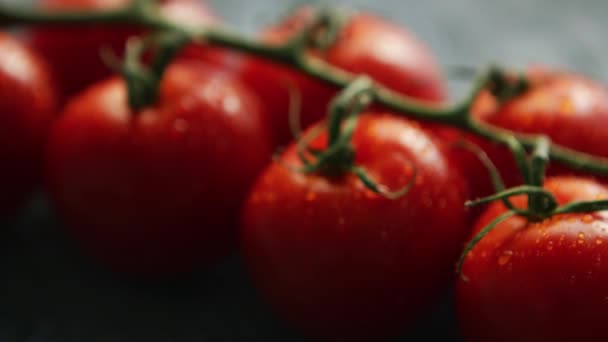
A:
[145, 13]
[358, 92]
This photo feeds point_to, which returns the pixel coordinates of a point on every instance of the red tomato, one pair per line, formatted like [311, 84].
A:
[368, 44]
[27, 107]
[338, 261]
[158, 191]
[75, 71]
[541, 281]
[570, 109]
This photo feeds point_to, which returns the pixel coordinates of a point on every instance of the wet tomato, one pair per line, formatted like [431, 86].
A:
[367, 44]
[543, 281]
[570, 109]
[339, 261]
[27, 108]
[157, 191]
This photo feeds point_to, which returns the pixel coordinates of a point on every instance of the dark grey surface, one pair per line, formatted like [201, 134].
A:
[49, 294]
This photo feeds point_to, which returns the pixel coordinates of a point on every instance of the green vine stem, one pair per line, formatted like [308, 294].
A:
[339, 156]
[541, 203]
[533, 213]
[145, 13]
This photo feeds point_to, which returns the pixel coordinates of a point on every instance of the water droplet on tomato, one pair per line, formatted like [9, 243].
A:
[311, 196]
[180, 125]
[598, 241]
[587, 219]
[505, 257]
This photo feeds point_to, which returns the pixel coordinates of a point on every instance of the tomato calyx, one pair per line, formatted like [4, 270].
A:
[143, 80]
[338, 157]
[505, 86]
[541, 204]
[321, 31]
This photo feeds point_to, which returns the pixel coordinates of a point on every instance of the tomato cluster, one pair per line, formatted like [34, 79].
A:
[177, 185]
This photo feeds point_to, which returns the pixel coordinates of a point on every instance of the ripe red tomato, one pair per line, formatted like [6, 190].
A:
[570, 109]
[27, 107]
[541, 281]
[368, 44]
[75, 71]
[337, 260]
[158, 191]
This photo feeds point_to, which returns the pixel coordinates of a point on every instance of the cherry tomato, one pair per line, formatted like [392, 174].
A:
[570, 109]
[543, 281]
[158, 191]
[339, 261]
[27, 107]
[73, 52]
[367, 44]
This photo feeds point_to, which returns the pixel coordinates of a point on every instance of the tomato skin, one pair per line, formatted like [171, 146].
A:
[338, 261]
[539, 281]
[27, 108]
[158, 192]
[367, 45]
[75, 71]
[570, 109]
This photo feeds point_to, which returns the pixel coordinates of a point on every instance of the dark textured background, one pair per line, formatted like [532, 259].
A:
[49, 294]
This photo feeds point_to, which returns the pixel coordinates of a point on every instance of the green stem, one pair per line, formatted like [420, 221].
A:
[469, 247]
[145, 13]
[538, 166]
[520, 190]
[582, 207]
[343, 104]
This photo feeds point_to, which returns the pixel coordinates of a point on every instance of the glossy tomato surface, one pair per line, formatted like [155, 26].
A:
[73, 51]
[27, 108]
[542, 281]
[367, 44]
[338, 261]
[570, 109]
[157, 191]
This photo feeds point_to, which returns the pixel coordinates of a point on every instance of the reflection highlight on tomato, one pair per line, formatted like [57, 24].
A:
[338, 261]
[543, 281]
[158, 191]
[367, 44]
[27, 108]
[571, 109]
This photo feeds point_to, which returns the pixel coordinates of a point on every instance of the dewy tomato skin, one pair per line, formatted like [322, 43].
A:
[368, 44]
[73, 51]
[337, 261]
[570, 109]
[158, 192]
[27, 108]
[539, 281]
